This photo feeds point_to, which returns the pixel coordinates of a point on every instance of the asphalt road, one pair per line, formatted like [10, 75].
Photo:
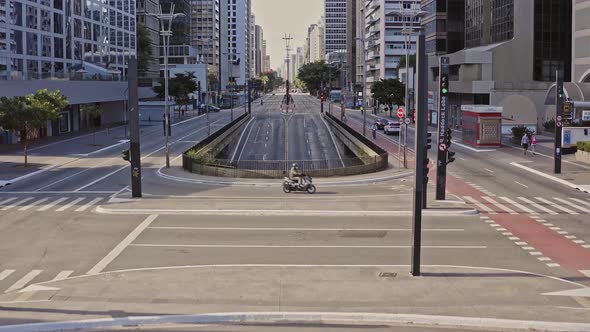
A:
[296, 136]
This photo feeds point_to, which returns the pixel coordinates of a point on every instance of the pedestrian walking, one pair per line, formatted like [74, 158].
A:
[533, 144]
[524, 142]
[374, 130]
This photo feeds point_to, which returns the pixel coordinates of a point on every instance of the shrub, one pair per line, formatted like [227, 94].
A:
[583, 146]
[192, 154]
[518, 132]
[549, 125]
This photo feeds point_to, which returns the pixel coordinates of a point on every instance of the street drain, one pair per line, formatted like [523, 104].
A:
[387, 274]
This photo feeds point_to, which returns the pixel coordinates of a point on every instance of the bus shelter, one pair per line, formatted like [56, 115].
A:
[482, 125]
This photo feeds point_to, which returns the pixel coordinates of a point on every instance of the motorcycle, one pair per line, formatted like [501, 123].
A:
[292, 185]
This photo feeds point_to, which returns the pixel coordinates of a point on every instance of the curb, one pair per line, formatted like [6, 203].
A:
[431, 212]
[305, 318]
[278, 182]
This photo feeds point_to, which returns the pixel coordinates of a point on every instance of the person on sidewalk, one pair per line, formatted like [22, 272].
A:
[533, 144]
[374, 130]
[524, 142]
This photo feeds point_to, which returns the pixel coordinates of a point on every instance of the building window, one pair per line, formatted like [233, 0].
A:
[552, 40]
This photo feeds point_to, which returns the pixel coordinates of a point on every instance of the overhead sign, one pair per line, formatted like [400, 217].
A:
[400, 112]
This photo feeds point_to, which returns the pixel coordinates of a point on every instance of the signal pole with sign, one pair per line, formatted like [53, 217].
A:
[558, 123]
[443, 122]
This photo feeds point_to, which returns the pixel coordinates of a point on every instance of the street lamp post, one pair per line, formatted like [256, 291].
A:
[166, 32]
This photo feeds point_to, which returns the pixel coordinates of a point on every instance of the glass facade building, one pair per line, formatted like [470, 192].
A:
[53, 38]
[335, 25]
[444, 25]
[553, 40]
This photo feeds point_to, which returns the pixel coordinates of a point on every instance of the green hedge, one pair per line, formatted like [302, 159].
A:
[583, 146]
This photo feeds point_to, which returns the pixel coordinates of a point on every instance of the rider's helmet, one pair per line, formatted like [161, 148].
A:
[295, 165]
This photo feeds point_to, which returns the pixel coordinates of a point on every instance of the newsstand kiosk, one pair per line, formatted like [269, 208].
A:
[482, 125]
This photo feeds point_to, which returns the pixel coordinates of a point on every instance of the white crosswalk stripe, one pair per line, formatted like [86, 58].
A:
[22, 201]
[21, 279]
[518, 205]
[575, 206]
[480, 206]
[580, 201]
[70, 204]
[554, 205]
[22, 282]
[499, 205]
[4, 274]
[537, 205]
[27, 207]
[62, 275]
[52, 204]
[89, 204]
[6, 201]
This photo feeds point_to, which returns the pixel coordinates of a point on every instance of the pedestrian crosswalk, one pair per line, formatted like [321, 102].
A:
[53, 203]
[530, 205]
[14, 280]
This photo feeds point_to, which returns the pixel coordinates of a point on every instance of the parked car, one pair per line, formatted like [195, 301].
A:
[212, 108]
[392, 127]
[381, 123]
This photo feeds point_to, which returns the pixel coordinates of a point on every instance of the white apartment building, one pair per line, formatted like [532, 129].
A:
[235, 41]
[315, 40]
[205, 16]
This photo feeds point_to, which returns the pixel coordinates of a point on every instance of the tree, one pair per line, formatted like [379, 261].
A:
[26, 114]
[313, 74]
[181, 85]
[272, 79]
[93, 113]
[144, 49]
[402, 62]
[388, 92]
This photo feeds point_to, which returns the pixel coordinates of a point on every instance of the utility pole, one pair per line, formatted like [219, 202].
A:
[420, 138]
[287, 39]
[134, 153]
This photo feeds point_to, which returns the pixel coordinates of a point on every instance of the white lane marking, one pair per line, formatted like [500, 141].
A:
[500, 205]
[52, 204]
[520, 184]
[22, 201]
[70, 204]
[245, 142]
[89, 204]
[571, 237]
[6, 201]
[305, 229]
[544, 259]
[29, 206]
[4, 274]
[521, 243]
[536, 253]
[547, 176]
[122, 245]
[573, 199]
[586, 272]
[62, 275]
[552, 264]
[333, 140]
[546, 201]
[581, 208]
[293, 246]
[76, 174]
[579, 241]
[538, 206]
[518, 205]
[472, 149]
[488, 170]
[22, 282]
[479, 205]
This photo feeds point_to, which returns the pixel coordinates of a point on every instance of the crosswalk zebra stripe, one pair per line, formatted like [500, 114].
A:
[538, 206]
[62, 275]
[52, 204]
[501, 206]
[480, 206]
[22, 282]
[70, 204]
[546, 201]
[89, 204]
[22, 201]
[4, 274]
[518, 205]
[581, 208]
[580, 201]
[27, 207]
[6, 201]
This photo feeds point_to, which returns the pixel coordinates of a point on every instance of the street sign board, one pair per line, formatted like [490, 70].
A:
[443, 102]
[408, 121]
[585, 115]
[400, 112]
[442, 147]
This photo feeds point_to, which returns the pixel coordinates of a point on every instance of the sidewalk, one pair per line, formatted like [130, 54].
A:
[443, 293]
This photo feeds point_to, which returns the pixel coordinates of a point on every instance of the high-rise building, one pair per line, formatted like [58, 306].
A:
[444, 25]
[181, 33]
[204, 34]
[334, 25]
[78, 47]
[352, 15]
[267, 63]
[258, 50]
[235, 41]
[253, 46]
[315, 41]
[152, 27]
[581, 40]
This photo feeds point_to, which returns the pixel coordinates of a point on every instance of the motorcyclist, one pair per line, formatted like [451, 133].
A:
[295, 174]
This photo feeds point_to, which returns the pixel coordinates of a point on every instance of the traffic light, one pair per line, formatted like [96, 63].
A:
[323, 98]
[428, 141]
[444, 84]
[449, 137]
[125, 155]
[426, 169]
[450, 157]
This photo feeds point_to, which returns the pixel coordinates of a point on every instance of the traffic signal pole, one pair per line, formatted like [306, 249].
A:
[420, 139]
[443, 123]
[135, 153]
[558, 124]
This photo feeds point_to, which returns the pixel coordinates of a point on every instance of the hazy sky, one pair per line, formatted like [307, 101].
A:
[278, 17]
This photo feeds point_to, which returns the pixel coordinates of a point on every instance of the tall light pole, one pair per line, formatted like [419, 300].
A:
[166, 32]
